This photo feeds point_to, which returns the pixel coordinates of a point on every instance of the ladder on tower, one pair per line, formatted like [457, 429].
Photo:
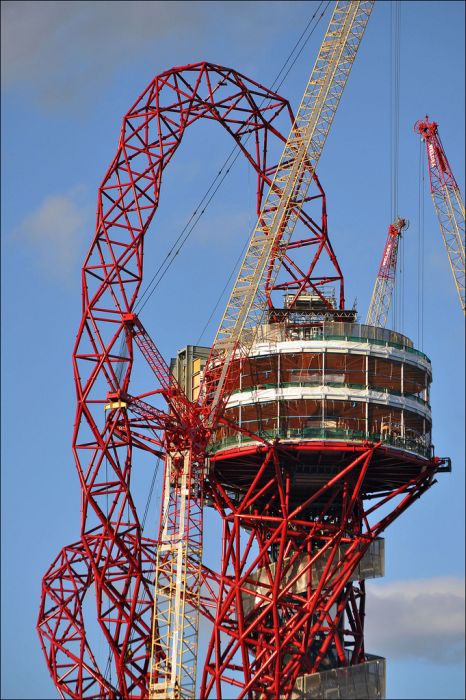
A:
[287, 194]
[177, 587]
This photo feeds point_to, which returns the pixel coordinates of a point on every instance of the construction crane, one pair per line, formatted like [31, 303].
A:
[173, 672]
[379, 306]
[448, 202]
[275, 226]
[112, 557]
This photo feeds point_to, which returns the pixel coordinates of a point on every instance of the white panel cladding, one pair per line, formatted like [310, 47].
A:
[347, 347]
[365, 681]
[342, 393]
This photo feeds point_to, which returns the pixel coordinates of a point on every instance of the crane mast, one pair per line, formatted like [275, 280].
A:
[288, 191]
[295, 525]
[448, 202]
[178, 567]
[379, 306]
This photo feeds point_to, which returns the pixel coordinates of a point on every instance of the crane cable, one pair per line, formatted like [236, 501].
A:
[210, 193]
[224, 170]
[213, 188]
[243, 250]
[204, 202]
[420, 246]
[395, 30]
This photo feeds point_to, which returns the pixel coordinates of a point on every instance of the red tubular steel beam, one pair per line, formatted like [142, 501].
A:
[271, 622]
[274, 621]
[105, 449]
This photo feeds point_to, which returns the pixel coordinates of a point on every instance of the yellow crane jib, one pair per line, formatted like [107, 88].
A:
[289, 187]
[178, 581]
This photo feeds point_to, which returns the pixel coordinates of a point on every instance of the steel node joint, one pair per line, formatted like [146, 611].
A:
[115, 400]
[129, 319]
[425, 128]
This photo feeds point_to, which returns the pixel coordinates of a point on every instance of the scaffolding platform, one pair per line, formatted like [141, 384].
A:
[364, 681]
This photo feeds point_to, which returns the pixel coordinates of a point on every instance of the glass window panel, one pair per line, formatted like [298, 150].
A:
[384, 420]
[345, 415]
[248, 412]
[384, 374]
[414, 422]
[355, 372]
[266, 409]
[292, 366]
[414, 380]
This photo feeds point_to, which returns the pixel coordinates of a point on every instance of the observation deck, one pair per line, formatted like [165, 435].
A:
[315, 387]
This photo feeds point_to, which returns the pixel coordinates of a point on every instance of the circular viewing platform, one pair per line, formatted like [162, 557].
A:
[343, 382]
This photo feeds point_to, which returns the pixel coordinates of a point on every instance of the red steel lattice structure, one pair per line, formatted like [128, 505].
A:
[283, 631]
[385, 281]
[448, 203]
[112, 555]
[290, 625]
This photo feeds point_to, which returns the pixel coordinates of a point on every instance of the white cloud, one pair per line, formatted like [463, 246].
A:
[55, 233]
[64, 49]
[63, 52]
[422, 619]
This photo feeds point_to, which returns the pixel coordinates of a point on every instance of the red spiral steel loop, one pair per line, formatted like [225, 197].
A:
[272, 631]
[112, 557]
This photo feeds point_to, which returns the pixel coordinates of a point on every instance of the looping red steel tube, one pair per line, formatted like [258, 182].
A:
[112, 558]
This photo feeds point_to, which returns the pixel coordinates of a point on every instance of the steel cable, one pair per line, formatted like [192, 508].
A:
[222, 173]
[395, 62]
[189, 227]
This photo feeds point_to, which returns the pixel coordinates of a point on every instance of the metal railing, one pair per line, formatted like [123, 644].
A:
[355, 332]
[342, 434]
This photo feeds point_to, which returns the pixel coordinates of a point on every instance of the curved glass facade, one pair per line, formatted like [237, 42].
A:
[332, 389]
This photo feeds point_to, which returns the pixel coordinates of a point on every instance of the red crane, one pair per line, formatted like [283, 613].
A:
[448, 202]
[379, 306]
[298, 500]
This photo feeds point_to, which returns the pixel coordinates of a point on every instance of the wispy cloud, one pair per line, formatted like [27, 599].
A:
[419, 619]
[55, 232]
[63, 51]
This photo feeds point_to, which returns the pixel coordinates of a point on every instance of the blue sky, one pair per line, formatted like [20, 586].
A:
[69, 73]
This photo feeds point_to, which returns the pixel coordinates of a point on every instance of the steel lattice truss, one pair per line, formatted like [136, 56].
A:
[112, 558]
[280, 611]
[448, 203]
[377, 314]
[257, 649]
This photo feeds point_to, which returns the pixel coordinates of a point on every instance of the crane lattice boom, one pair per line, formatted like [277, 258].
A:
[275, 226]
[379, 306]
[448, 202]
[175, 625]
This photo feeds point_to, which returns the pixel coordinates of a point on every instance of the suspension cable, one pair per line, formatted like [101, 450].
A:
[422, 256]
[419, 244]
[395, 27]
[224, 170]
[188, 228]
[237, 262]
